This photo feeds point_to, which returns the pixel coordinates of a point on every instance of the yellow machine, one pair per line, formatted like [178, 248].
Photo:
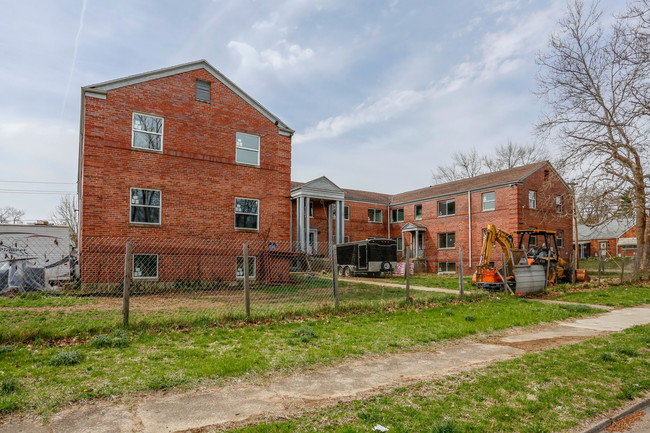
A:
[523, 271]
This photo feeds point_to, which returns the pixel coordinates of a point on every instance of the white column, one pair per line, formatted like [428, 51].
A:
[339, 217]
[342, 221]
[307, 244]
[329, 228]
[300, 207]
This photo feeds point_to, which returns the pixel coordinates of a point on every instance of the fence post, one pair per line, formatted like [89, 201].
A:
[600, 265]
[247, 295]
[126, 295]
[461, 281]
[622, 269]
[407, 274]
[335, 277]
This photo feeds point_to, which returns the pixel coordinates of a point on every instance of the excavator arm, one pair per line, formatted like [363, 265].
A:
[494, 236]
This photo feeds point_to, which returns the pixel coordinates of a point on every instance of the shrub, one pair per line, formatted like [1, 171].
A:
[305, 334]
[470, 318]
[446, 426]
[70, 357]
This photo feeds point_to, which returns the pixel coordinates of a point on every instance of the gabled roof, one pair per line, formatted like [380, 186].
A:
[354, 194]
[100, 89]
[321, 187]
[612, 230]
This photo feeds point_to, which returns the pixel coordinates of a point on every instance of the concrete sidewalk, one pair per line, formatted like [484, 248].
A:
[177, 412]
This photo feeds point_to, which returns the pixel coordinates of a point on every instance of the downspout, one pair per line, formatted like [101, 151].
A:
[469, 222]
[388, 219]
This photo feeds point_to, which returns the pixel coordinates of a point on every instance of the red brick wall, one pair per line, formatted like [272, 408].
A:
[196, 171]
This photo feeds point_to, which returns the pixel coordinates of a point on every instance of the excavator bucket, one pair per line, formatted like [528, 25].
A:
[581, 275]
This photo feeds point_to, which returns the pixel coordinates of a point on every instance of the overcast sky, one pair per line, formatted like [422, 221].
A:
[379, 92]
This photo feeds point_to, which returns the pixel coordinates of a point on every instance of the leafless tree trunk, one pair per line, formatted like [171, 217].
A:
[595, 82]
[11, 215]
[66, 213]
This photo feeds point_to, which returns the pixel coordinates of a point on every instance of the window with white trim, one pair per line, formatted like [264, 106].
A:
[375, 215]
[532, 241]
[397, 215]
[145, 266]
[248, 149]
[399, 243]
[252, 262]
[202, 90]
[418, 212]
[311, 208]
[145, 206]
[532, 199]
[559, 239]
[346, 213]
[488, 200]
[346, 239]
[559, 205]
[446, 267]
[147, 132]
[446, 240]
[447, 207]
[247, 214]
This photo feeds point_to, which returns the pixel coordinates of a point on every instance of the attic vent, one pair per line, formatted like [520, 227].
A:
[203, 90]
[546, 173]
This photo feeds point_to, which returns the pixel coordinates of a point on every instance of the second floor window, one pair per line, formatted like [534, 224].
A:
[418, 212]
[446, 240]
[147, 132]
[447, 207]
[532, 199]
[374, 215]
[488, 201]
[346, 213]
[396, 215]
[145, 206]
[248, 149]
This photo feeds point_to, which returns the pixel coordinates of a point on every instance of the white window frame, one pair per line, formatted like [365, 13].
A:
[447, 207]
[400, 245]
[144, 205]
[346, 239]
[415, 212]
[397, 220]
[346, 210]
[446, 267]
[559, 204]
[133, 131]
[196, 88]
[559, 239]
[133, 276]
[446, 240]
[532, 199]
[252, 277]
[381, 215]
[246, 213]
[493, 201]
[259, 148]
[532, 244]
[311, 209]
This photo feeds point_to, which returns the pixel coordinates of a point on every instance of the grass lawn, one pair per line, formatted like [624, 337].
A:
[537, 393]
[432, 280]
[615, 296]
[40, 377]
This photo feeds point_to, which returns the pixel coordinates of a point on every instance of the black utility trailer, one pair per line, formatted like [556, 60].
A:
[370, 257]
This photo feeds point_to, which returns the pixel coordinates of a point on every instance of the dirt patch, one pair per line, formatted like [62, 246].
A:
[541, 344]
[626, 423]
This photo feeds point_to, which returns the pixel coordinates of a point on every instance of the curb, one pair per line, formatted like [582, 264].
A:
[599, 427]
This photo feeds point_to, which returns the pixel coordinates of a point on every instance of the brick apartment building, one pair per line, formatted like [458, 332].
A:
[182, 155]
[174, 155]
[436, 221]
[616, 238]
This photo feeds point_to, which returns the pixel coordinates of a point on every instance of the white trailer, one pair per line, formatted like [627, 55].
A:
[34, 253]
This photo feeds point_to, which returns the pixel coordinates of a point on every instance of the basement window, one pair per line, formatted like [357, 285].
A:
[446, 267]
[240, 267]
[145, 266]
[147, 132]
[203, 90]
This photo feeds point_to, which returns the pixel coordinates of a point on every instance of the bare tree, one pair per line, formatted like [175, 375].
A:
[11, 215]
[595, 82]
[466, 164]
[66, 213]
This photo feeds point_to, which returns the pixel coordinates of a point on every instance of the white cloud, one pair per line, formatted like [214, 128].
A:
[284, 56]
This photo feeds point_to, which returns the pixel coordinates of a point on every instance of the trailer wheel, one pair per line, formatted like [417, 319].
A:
[340, 271]
[347, 271]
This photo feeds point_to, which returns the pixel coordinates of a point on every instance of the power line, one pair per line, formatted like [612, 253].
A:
[31, 181]
[26, 191]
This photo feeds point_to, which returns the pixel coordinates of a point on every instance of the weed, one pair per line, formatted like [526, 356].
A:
[449, 312]
[119, 338]
[69, 357]
[305, 334]
[9, 385]
[446, 426]
[165, 381]
[7, 348]
[627, 351]
[607, 357]
[470, 318]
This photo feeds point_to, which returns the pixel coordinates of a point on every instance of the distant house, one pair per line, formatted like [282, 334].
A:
[616, 238]
[437, 221]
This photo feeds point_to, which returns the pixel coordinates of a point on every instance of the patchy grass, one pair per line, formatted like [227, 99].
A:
[615, 296]
[537, 393]
[43, 299]
[206, 354]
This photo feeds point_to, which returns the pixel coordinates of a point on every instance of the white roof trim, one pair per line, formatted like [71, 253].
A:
[99, 88]
[321, 188]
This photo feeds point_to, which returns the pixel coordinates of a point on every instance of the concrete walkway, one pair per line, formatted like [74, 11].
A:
[179, 412]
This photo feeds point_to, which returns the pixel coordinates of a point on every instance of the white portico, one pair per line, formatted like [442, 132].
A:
[325, 191]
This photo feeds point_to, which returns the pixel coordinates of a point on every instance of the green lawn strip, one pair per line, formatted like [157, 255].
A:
[537, 393]
[615, 296]
[431, 280]
[107, 365]
[43, 299]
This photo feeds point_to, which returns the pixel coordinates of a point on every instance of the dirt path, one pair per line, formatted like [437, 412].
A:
[401, 286]
[246, 403]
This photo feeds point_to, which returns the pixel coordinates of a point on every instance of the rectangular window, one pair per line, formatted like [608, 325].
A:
[375, 215]
[444, 267]
[145, 266]
[240, 267]
[558, 204]
[248, 149]
[346, 213]
[447, 207]
[203, 90]
[559, 239]
[418, 212]
[488, 201]
[147, 132]
[396, 215]
[532, 199]
[145, 206]
[311, 208]
[346, 239]
[446, 240]
[532, 241]
[247, 214]
[399, 243]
